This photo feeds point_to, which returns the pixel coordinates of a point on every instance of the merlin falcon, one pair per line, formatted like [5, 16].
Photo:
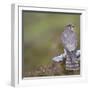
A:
[69, 42]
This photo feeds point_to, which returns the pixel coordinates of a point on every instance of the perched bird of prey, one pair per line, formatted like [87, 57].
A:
[69, 41]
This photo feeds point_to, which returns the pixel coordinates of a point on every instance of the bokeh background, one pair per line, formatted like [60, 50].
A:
[41, 42]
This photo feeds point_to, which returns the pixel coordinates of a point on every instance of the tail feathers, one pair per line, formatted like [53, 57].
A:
[73, 57]
[71, 61]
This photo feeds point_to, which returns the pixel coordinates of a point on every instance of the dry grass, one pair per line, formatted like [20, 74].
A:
[53, 69]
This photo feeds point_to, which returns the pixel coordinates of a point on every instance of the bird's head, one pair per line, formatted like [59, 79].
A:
[70, 27]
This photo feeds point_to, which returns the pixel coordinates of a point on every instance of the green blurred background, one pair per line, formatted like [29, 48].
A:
[41, 37]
